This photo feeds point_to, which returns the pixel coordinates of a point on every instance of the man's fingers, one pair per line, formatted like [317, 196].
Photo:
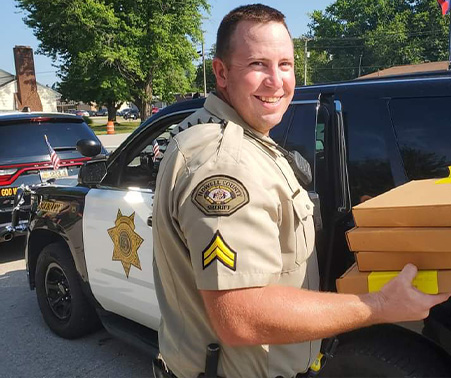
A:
[409, 272]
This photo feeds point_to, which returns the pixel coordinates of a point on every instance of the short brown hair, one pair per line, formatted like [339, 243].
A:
[254, 12]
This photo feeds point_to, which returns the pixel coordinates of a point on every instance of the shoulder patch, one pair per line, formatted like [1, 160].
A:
[219, 250]
[220, 195]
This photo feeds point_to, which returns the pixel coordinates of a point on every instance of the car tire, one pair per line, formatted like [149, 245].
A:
[63, 305]
[386, 351]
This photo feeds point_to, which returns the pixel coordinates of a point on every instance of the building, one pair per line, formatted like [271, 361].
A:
[409, 69]
[21, 90]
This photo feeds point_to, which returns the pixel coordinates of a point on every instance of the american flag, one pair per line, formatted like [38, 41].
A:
[53, 155]
[156, 150]
[445, 5]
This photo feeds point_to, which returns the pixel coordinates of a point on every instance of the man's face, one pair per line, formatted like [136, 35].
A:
[258, 79]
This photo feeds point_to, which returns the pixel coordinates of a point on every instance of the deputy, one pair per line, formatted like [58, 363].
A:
[233, 230]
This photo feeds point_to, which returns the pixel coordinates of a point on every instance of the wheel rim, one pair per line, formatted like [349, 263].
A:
[57, 290]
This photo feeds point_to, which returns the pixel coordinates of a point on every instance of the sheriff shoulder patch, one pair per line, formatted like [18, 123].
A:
[220, 195]
[219, 250]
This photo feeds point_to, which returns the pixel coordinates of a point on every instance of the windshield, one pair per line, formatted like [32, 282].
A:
[22, 140]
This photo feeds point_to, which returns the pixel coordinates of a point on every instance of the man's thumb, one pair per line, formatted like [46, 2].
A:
[409, 272]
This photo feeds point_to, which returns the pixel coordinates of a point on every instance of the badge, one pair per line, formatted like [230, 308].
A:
[220, 195]
[219, 250]
[126, 242]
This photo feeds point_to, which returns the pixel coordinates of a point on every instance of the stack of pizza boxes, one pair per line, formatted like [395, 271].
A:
[408, 224]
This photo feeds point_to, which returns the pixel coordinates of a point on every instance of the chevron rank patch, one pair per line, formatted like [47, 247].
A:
[219, 250]
[220, 195]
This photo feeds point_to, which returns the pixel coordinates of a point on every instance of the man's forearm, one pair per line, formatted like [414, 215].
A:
[280, 315]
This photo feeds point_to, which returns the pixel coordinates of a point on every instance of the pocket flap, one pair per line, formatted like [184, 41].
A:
[303, 207]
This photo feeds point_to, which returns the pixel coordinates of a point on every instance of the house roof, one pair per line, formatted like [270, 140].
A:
[408, 69]
[5, 77]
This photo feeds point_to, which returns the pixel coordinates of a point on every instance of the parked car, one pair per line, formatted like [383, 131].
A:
[361, 138]
[131, 114]
[102, 112]
[25, 156]
[82, 113]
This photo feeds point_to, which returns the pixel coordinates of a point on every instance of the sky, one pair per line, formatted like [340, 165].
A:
[14, 31]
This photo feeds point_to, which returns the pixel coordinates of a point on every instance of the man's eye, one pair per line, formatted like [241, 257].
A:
[286, 66]
[257, 64]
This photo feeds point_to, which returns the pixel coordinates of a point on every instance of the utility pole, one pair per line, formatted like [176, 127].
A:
[203, 64]
[305, 61]
[306, 56]
[360, 64]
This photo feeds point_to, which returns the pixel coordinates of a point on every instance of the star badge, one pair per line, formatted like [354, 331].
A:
[126, 242]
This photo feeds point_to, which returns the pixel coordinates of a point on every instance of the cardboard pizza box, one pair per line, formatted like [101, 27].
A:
[377, 261]
[421, 203]
[395, 239]
[428, 281]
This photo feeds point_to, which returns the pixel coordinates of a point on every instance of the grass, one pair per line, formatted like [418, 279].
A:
[119, 127]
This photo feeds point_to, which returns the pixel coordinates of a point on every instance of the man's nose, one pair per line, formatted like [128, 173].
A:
[274, 77]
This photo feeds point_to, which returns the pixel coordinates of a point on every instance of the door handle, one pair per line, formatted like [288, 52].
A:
[149, 221]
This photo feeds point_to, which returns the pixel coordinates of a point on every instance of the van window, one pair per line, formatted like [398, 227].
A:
[279, 132]
[301, 134]
[423, 129]
[367, 133]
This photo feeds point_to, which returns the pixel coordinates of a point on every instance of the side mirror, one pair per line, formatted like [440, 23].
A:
[92, 172]
[88, 147]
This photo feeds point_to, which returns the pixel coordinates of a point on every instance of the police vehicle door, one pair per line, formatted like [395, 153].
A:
[117, 232]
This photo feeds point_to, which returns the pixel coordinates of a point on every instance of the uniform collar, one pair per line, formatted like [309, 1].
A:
[224, 111]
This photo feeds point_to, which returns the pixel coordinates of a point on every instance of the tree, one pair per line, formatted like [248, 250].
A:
[146, 44]
[93, 83]
[363, 36]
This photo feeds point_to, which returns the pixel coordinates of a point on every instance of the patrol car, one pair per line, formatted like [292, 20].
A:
[25, 156]
[89, 247]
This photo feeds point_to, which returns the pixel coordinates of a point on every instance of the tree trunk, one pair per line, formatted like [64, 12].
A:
[144, 102]
[111, 106]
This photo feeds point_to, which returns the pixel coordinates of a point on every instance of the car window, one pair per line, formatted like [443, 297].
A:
[367, 140]
[423, 129]
[301, 133]
[26, 140]
[279, 132]
[137, 166]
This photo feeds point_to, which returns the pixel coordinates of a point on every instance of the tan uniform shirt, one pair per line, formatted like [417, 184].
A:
[228, 213]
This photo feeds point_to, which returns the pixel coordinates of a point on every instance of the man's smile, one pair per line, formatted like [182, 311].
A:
[270, 100]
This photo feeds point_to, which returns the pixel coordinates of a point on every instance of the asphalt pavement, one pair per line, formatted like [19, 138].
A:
[29, 349]
[111, 141]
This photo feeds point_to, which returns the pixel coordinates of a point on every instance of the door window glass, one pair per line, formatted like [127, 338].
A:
[423, 129]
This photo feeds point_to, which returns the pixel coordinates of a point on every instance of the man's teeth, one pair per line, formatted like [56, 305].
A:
[270, 99]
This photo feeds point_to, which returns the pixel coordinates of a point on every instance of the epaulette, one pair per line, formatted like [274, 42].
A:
[184, 125]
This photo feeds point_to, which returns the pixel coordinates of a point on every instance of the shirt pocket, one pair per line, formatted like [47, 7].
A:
[304, 227]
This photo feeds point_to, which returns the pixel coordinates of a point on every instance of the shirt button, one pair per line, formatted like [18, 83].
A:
[307, 206]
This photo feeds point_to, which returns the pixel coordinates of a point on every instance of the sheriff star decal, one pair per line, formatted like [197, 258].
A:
[220, 195]
[219, 250]
[126, 242]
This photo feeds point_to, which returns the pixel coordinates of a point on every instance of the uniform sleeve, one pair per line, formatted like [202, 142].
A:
[230, 223]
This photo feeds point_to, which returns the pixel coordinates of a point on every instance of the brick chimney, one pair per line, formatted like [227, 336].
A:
[27, 89]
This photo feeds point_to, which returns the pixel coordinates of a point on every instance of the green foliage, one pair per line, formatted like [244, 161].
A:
[353, 37]
[125, 48]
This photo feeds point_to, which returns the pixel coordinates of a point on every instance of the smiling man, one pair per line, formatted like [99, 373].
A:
[235, 262]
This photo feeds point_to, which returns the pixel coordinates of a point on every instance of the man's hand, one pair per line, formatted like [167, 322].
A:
[400, 301]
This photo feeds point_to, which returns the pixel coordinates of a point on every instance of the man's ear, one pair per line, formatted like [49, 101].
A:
[220, 71]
